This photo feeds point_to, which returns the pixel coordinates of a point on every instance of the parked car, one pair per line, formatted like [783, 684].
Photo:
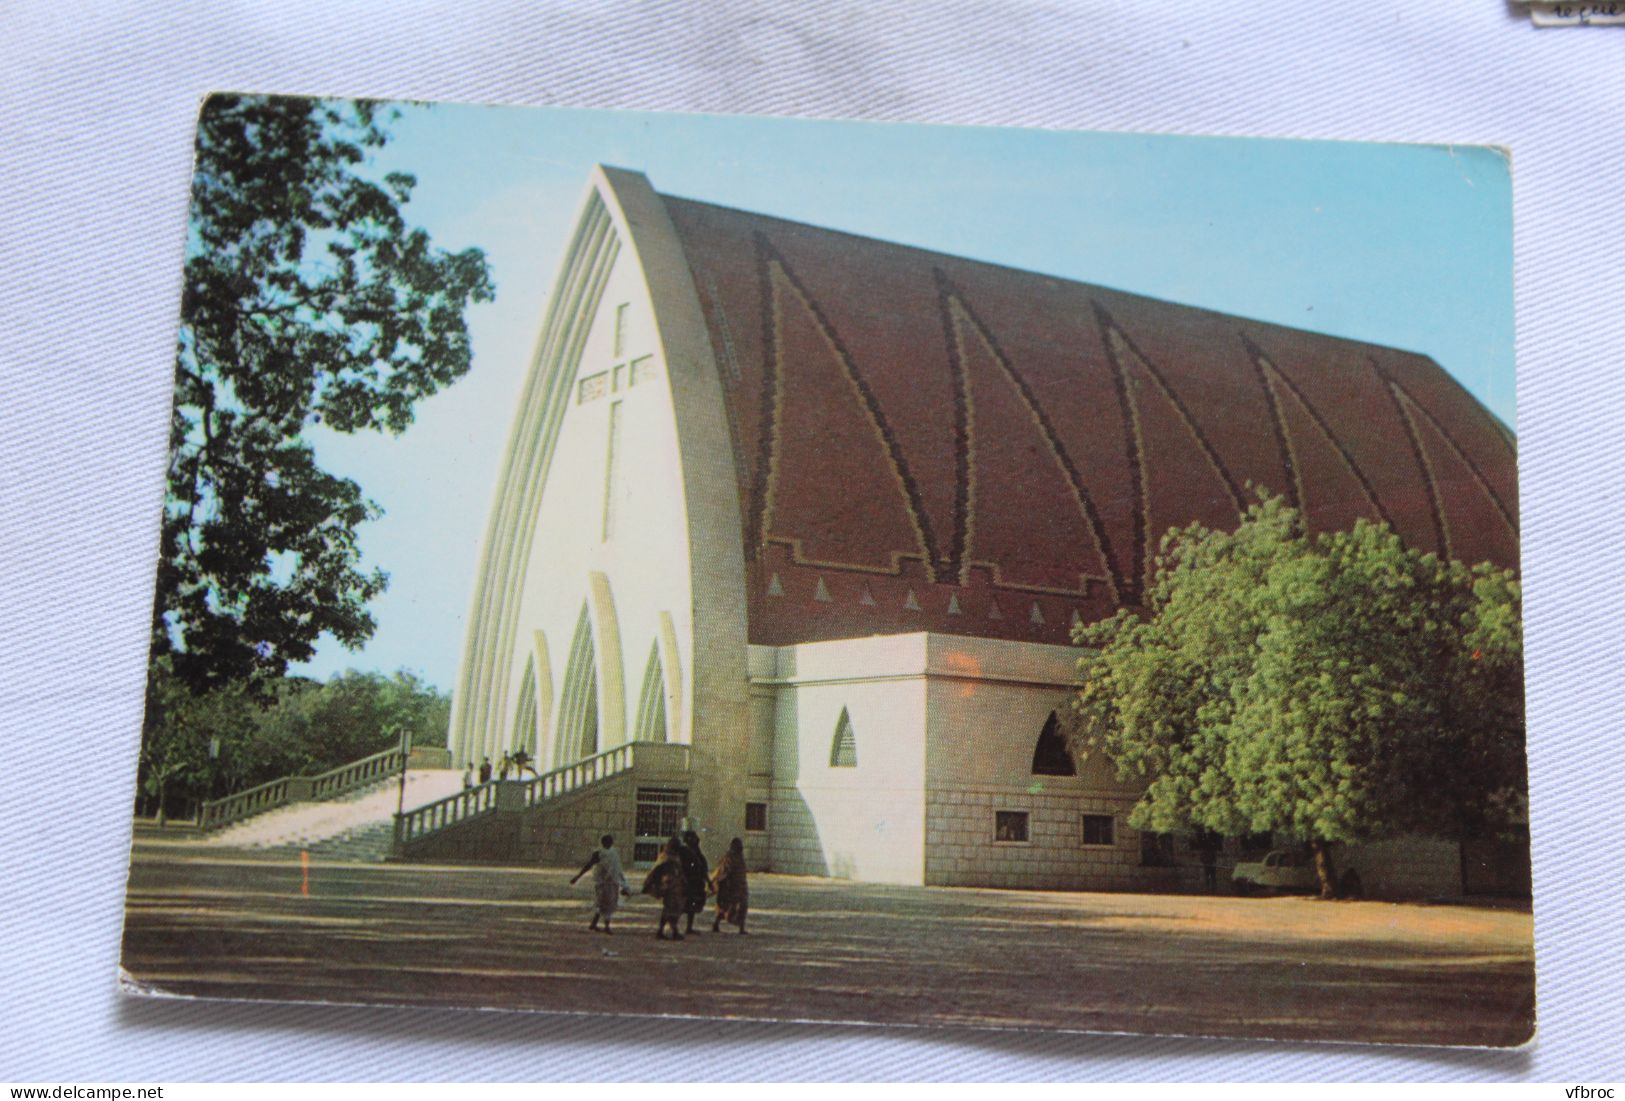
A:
[1280, 870]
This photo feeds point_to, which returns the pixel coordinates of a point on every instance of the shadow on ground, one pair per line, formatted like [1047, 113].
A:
[217, 924]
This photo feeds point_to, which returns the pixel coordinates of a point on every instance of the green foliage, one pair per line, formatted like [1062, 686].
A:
[308, 300]
[303, 727]
[1336, 688]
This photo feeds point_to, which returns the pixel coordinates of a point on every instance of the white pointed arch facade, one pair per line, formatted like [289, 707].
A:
[617, 501]
[651, 722]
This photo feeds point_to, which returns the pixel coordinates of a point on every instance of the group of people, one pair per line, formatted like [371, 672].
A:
[516, 763]
[681, 879]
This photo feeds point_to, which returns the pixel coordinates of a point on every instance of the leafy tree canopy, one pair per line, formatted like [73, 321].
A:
[295, 727]
[308, 300]
[1335, 688]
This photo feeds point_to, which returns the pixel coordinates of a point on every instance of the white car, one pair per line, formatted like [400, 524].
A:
[1280, 870]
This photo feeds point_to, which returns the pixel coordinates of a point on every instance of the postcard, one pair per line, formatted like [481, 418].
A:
[753, 568]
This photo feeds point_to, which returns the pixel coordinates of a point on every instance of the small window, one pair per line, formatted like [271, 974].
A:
[643, 370]
[1097, 830]
[843, 752]
[755, 817]
[1010, 826]
[618, 378]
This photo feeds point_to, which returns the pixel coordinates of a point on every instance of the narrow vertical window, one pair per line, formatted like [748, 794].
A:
[609, 470]
[620, 328]
[843, 752]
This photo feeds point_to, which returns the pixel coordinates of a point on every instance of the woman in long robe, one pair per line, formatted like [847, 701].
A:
[665, 882]
[695, 873]
[732, 887]
[608, 881]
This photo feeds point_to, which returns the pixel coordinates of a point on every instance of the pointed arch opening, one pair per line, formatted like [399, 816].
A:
[651, 724]
[843, 751]
[578, 707]
[525, 726]
[1051, 757]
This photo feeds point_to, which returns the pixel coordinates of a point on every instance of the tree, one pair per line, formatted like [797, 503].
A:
[1336, 687]
[291, 727]
[354, 715]
[308, 300]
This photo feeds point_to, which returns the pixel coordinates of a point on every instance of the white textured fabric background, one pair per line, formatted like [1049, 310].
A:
[96, 109]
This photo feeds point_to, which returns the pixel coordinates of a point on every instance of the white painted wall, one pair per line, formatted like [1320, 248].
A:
[645, 556]
[866, 822]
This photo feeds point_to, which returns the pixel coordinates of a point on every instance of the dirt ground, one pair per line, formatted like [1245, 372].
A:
[218, 923]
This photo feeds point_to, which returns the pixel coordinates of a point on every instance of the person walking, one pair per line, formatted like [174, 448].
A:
[608, 881]
[485, 771]
[732, 888]
[695, 873]
[665, 882]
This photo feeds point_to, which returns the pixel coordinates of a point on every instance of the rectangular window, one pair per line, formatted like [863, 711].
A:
[620, 327]
[643, 370]
[1010, 826]
[1097, 830]
[609, 470]
[755, 817]
[618, 378]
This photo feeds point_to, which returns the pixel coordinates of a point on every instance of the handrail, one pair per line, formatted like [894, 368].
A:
[220, 812]
[433, 817]
[416, 824]
[275, 793]
[588, 770]
[345, 778]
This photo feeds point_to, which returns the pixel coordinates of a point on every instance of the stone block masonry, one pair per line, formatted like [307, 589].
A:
[963, 847]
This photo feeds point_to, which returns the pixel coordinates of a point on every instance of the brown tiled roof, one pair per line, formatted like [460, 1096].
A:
[926, 442]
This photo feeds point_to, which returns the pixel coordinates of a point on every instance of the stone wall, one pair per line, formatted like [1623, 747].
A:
[962, 849]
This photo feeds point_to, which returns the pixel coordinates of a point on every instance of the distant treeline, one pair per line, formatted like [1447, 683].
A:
[294, 726]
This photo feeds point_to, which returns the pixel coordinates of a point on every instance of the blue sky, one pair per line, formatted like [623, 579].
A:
[1403, 245]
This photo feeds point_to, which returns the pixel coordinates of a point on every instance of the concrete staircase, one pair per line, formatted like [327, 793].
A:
[358, 826]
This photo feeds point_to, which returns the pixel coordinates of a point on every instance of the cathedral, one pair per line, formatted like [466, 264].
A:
[793, 527]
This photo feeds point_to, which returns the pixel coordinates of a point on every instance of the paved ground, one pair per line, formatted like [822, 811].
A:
[203, 921]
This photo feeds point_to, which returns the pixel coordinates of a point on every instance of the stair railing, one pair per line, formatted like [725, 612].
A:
[416, 824]
[433, 817]
[356, 774]
[220, 812]
[298, 789]
[588, 770]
